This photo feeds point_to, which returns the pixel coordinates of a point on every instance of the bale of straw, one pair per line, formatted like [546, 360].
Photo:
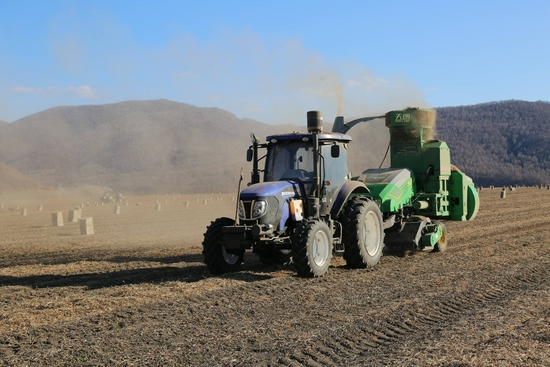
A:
[57, 219]
[86, 226]
[74, 216]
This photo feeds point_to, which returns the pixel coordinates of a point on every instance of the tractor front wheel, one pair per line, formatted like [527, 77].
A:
[363, 233]
[216, 257]
[312, 248]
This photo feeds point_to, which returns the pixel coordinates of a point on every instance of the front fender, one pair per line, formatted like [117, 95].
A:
[348, 188]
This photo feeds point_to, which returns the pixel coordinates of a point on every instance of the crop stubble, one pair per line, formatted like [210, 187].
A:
[137, 293]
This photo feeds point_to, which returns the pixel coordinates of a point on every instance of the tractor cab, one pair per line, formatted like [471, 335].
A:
[292, 158]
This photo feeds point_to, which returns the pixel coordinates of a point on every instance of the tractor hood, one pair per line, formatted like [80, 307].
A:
[286, 189]
[267, 203]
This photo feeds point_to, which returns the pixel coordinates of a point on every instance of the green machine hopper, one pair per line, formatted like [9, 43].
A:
[421, 189]
[421, 178]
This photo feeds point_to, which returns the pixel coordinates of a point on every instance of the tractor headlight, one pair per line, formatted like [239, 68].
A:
[252, 209]
[242, 213]
[259, 209]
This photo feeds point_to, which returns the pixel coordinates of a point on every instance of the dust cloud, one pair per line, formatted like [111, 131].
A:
[425, 118]
[278, 83]
[268, 79]
[430, 120]
[274, 81]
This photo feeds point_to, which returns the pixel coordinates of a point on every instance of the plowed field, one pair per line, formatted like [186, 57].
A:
[137, 293]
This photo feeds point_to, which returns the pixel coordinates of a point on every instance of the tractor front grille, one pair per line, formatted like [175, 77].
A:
[248, 205]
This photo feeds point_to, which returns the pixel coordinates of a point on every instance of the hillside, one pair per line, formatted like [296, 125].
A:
[162, 146]
[11, 180]
[134, 146]
[499, 143]
[151, 146]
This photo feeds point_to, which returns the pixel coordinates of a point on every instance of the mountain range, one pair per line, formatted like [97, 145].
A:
[161, 146]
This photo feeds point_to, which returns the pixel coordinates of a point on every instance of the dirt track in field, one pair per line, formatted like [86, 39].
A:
[137, 293]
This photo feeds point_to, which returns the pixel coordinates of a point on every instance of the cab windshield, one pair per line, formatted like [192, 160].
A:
[289, 160]
[293, 160]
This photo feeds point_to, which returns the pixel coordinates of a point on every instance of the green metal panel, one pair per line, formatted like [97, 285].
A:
[473, 202]
[409, 129]
[391, 188]
[438, 205]
[410, 117]
[412, 147]
[464, 197]
[459, 196]
[434, 154]
[437, 154]
[432, 234]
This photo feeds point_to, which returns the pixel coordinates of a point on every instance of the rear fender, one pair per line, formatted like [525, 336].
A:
[348, 188]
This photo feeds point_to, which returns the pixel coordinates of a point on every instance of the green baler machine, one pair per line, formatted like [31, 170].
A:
[421, 188]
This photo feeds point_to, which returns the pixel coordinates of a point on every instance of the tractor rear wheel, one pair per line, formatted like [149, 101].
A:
[312, 248]
[216, 257]
[363, 233]
[441, 245]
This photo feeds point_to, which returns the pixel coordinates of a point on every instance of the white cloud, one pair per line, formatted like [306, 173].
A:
[84, 91]
[21, 89]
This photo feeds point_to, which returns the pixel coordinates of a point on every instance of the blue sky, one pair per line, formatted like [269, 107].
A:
[273, 60]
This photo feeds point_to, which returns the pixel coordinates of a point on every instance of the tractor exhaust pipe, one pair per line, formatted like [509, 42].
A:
[314, 122]
[315, 127]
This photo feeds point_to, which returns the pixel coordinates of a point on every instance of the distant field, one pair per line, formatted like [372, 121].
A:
[136, 292]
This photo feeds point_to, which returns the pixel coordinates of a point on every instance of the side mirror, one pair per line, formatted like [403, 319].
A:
[249, 155]
[335, 151]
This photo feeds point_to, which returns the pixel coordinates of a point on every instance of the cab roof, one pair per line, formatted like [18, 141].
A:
[324, 136]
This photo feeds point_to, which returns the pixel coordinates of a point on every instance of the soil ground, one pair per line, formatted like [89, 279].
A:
[137, 293]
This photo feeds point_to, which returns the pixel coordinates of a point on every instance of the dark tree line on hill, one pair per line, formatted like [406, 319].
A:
[499, 143]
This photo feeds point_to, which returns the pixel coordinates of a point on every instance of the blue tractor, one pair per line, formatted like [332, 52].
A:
[308, 207]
